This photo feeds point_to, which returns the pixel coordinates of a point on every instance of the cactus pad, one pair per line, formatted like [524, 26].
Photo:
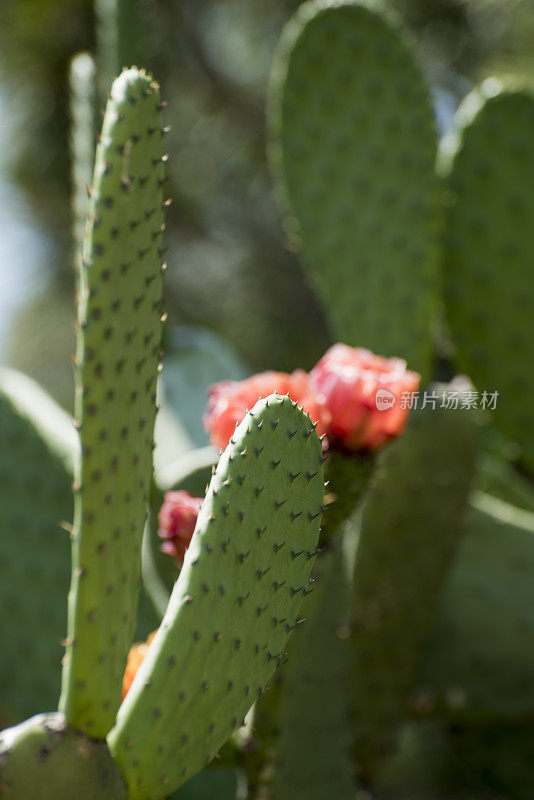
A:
[119, 322]
[43, 758]
[478, 663]
[38, 444]
[409, 532]
[353, 147]
[234, 605]
[489, 245]
[312, 756]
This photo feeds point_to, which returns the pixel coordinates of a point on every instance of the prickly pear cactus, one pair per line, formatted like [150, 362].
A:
[312, 753]
[234, 605]
[300, 730]
[489, 163]
[43, 758]
[38, 446]
[119, 38]
[119, 334]
[477, 665]
[353, 147]
[409, 533]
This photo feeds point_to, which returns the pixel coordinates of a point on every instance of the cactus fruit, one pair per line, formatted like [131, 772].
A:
[353, 146]
[477, 664]
[38, 446]
[234, 605]
[136, 656]
[354, 384]
[228, 401]
[119, 333]
[489, 167]
[177, 519]
[409, 533]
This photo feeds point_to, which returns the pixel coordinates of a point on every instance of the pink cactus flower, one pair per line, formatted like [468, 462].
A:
[177, 519]
[362, 393]
[229, 401]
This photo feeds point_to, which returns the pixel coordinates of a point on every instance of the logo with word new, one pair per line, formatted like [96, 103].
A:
[384, 399]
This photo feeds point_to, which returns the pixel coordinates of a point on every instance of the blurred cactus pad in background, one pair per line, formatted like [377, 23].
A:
[266, 431]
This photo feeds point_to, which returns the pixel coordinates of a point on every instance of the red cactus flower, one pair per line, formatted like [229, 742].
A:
[362, 393]
[230, 400]
[136, 657]
[177, 519]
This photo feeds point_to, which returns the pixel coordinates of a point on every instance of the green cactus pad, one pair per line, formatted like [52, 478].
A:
[409, 531]
[353, 147]
[312, 756]
[478, 665]
[38, 445]
[43, 758]
[234, 605]
[119, 38]
[488, 256]
[222, 784]
[348, 479]
[119, 322]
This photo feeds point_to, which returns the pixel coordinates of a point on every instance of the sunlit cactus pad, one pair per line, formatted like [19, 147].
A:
[353, 147]
[234, 606]
[119, 340]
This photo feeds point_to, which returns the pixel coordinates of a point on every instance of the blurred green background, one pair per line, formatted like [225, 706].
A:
[231, 268]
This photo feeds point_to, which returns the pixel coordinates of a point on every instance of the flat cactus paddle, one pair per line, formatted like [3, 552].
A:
[352, 147]
[477, 667]
[119, 339]
[410, 529]
[38, 447]
[489, 246]
[312, 753]
[234, 605]
[44, 759]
